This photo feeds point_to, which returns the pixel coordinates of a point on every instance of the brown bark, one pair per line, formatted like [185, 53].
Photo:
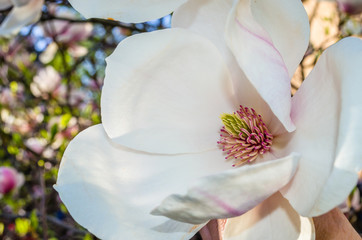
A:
[334, 226]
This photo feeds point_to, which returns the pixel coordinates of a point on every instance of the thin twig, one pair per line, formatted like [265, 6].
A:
[106, 22]
[42, 205]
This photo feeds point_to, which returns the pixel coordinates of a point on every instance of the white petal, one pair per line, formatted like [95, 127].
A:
[208, 18]
[268, 40]
[287, 24]
[273, 219]
[339, 185]
[4, 4]
[20, 17]
[126, 10]
[231, 193]
[205, 17]
[327, 111]
[111, 191]
[164, 92]
[19, 3]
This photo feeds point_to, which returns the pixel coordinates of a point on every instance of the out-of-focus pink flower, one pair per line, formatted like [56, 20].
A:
[78, 97]
[13, 123]
[65, 131]
[350, 6]
[352, 27]
[6, 96]
[10, 179]
[45, 82]
[68, 33]
[37, 145]
[70, 131]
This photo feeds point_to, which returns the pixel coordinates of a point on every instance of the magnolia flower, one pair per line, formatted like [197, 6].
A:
[155, 168]
[351, 27]
[23, 12]
[37, 145]
[47, 81]
[350, 6]
[15, 52]
[7, 97]
[79, 97]
[13, 123]
[65, 31]
[10, 179]
[68, 33]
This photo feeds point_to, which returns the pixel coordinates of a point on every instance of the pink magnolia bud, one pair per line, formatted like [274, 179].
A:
[10, 179]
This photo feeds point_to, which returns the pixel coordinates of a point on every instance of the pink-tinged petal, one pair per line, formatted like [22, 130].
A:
[287, 24]
[208, 18]
[164, 92]
[268, 40]
[327, 111]
[231, 193]
[4, 4]
[20, 17]
[273, 219]
[125, 10]
[111, 190]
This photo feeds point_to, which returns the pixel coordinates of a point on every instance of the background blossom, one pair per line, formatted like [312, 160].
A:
[10, 179]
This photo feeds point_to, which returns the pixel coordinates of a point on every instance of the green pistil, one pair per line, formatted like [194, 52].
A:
[233, 124]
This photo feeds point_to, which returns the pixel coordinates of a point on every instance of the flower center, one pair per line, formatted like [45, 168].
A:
[244, 136]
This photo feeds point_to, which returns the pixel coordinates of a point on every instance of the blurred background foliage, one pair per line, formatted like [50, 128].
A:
[51, 75]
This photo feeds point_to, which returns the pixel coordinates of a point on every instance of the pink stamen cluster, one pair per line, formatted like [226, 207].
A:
[254, 138]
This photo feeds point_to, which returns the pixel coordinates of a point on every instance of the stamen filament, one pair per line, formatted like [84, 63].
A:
[244, 136]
